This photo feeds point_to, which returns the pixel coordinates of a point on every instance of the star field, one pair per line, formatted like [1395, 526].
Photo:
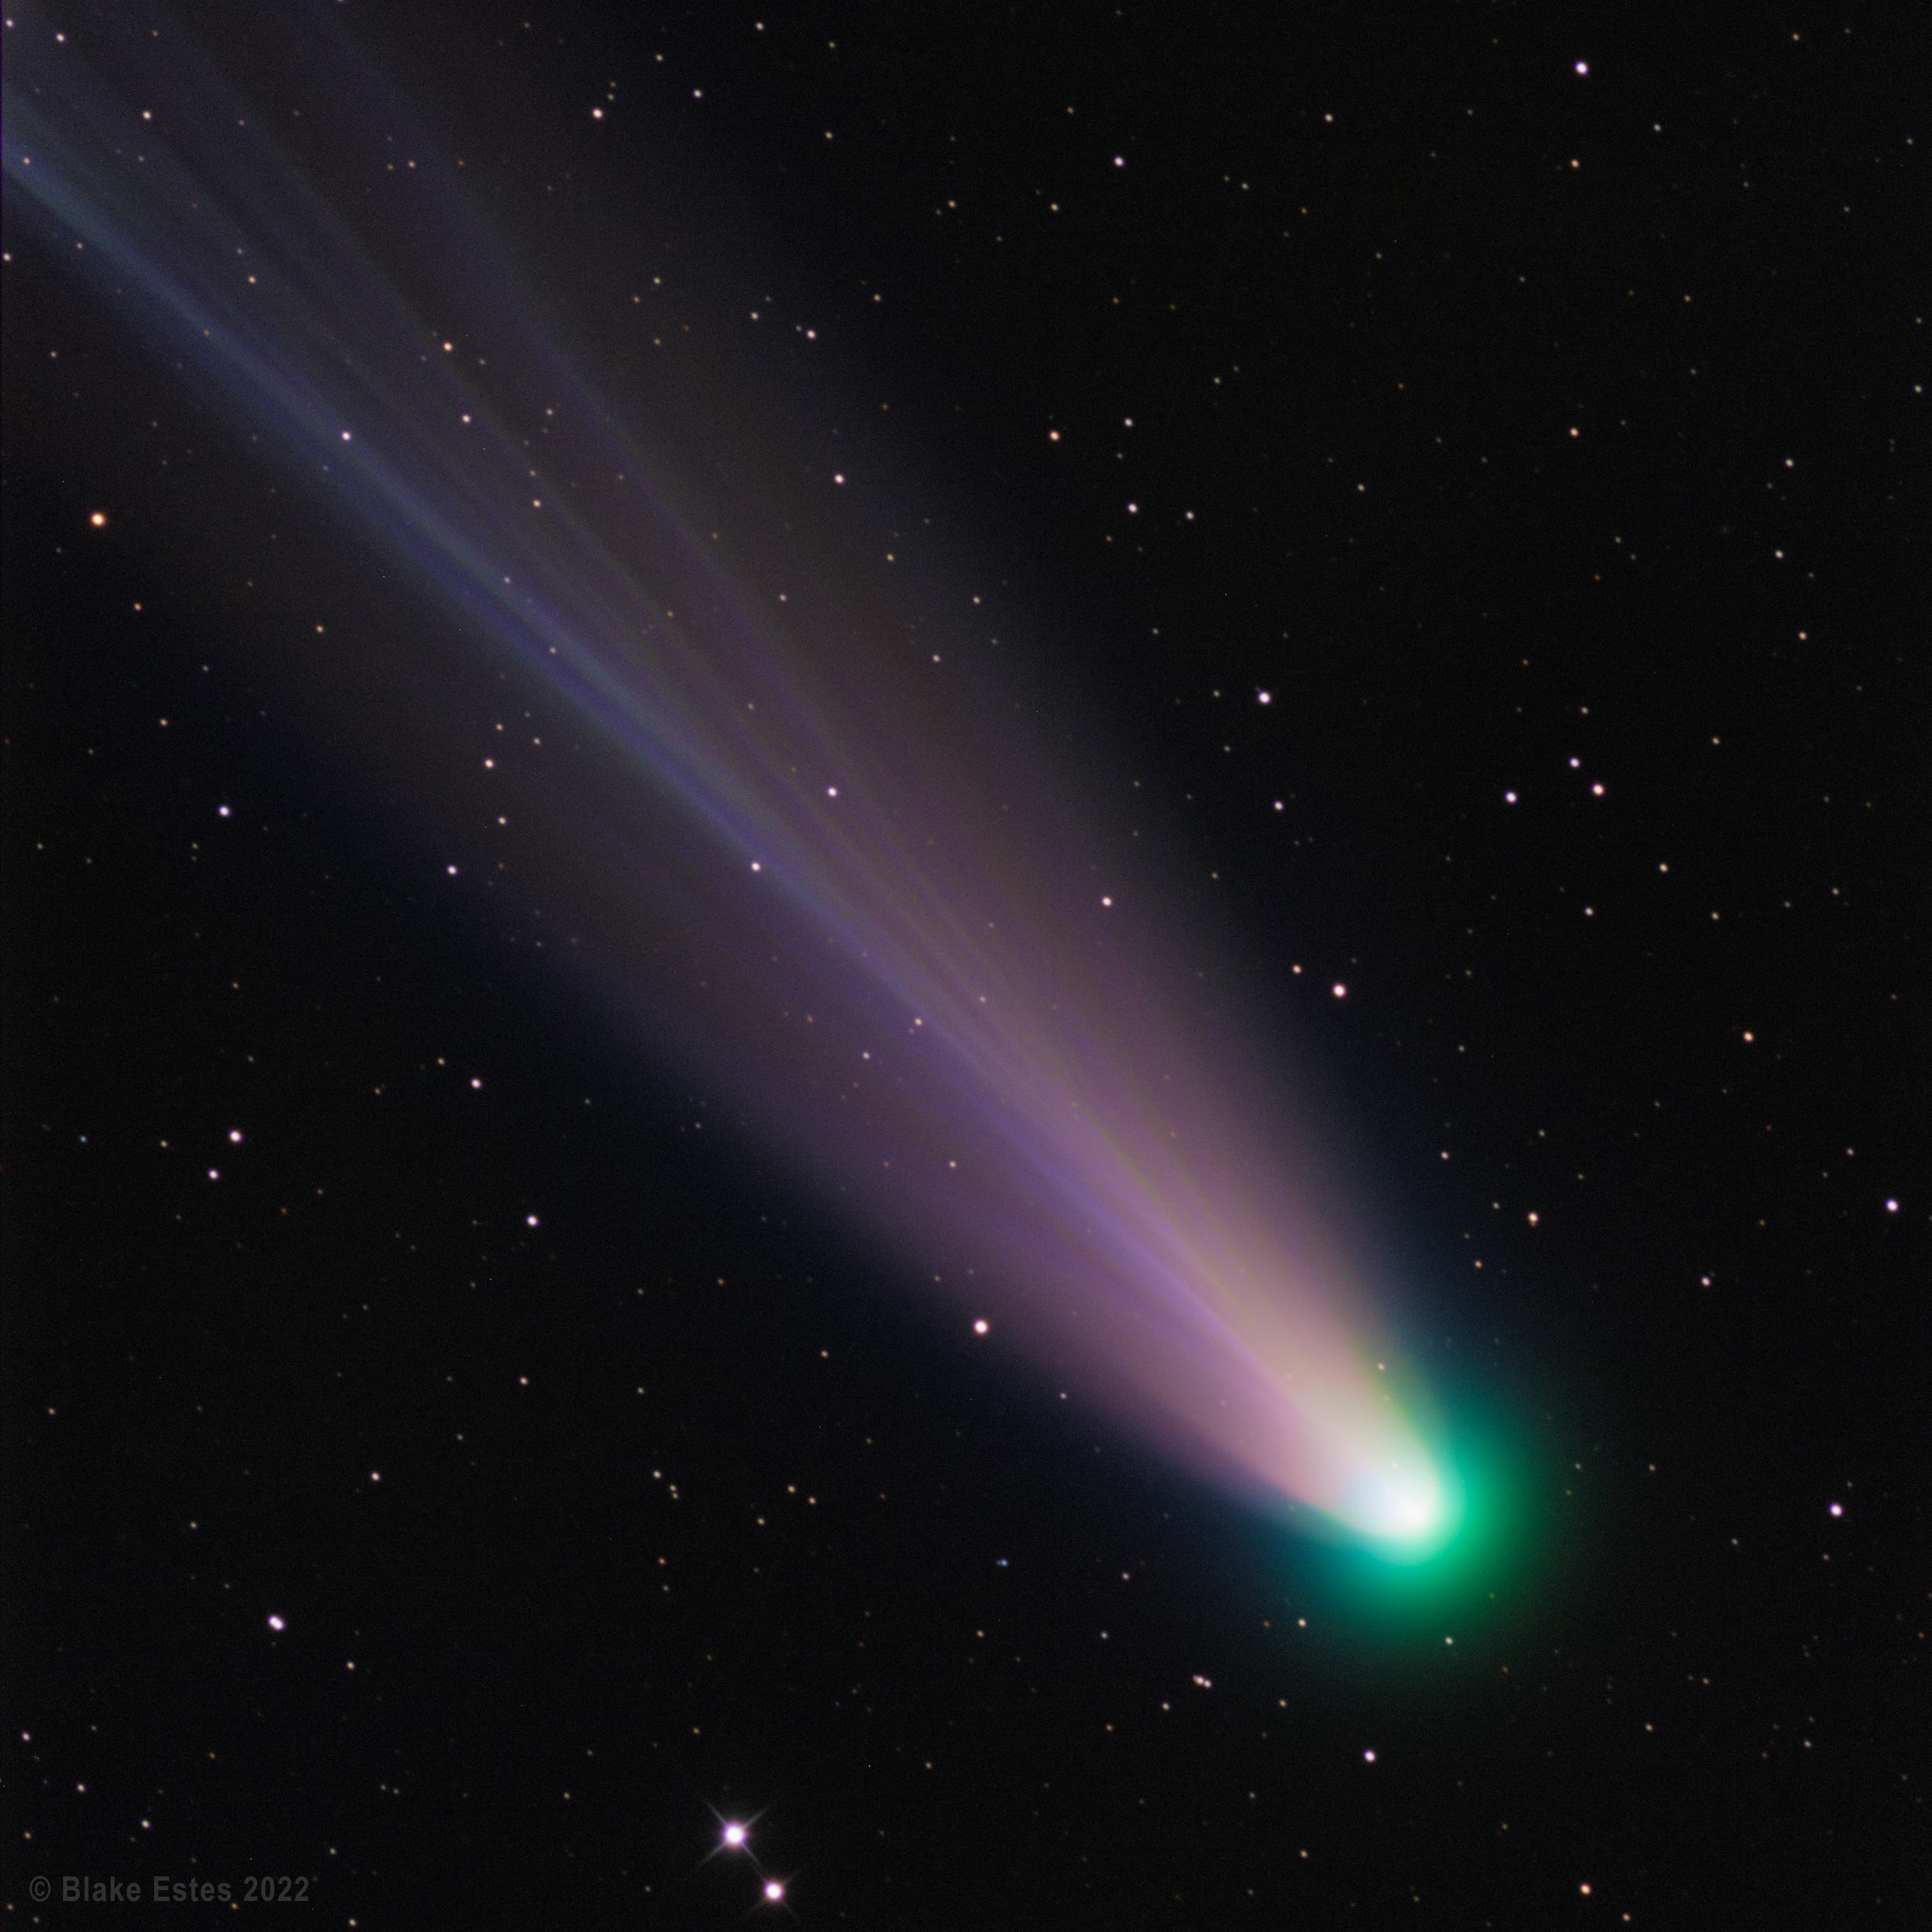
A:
[1439, 495]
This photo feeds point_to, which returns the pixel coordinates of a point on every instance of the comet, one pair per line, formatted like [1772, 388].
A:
[778, 800]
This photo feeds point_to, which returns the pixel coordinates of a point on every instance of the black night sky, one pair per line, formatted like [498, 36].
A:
[1452, 483]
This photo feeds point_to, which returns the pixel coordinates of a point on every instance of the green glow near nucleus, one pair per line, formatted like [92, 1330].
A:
[1475, 1561]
